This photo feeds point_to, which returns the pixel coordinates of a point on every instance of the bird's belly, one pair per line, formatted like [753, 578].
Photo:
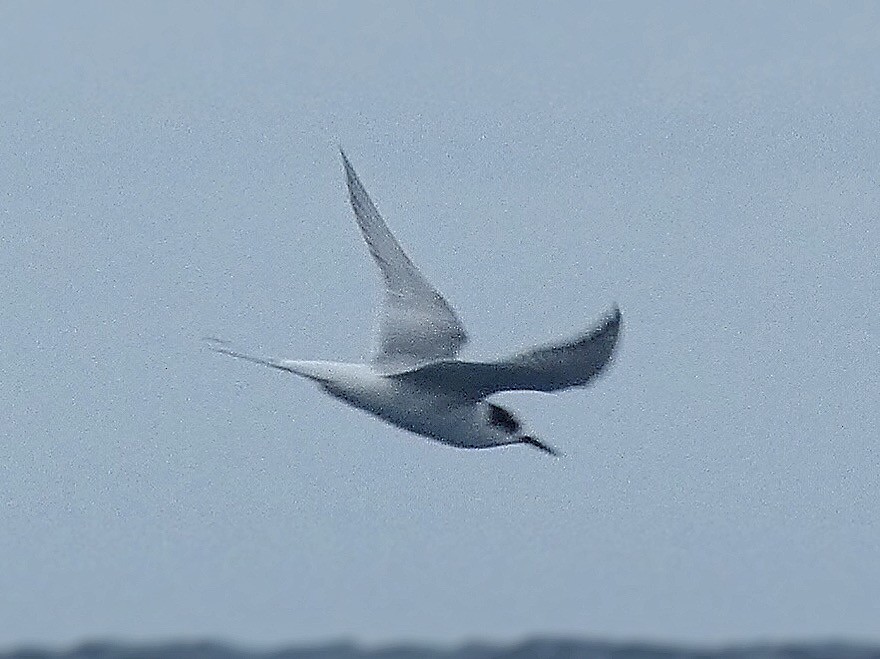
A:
[445, 418]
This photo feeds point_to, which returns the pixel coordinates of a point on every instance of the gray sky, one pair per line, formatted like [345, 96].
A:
[170, 171]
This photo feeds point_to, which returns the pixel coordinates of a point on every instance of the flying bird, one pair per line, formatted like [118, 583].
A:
[415, 379]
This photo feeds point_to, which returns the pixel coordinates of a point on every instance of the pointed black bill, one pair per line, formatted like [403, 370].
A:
[531, 441]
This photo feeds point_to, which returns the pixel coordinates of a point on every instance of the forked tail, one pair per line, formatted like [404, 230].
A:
[312, 370]
[225, 348]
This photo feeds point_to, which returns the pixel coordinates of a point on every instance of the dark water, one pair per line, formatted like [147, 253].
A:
[536, 649]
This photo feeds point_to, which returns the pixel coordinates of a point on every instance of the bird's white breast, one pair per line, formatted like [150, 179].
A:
[446, 417]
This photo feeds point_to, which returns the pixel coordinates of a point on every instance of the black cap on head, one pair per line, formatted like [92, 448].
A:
[501, 418]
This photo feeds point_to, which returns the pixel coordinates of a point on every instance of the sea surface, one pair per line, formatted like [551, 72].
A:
[533, 649]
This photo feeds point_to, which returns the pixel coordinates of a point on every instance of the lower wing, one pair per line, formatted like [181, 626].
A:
[568, 364]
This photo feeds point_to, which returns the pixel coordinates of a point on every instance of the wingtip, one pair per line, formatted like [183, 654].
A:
[345, 160]
[612, 318]
[611, 324]
[351, 178]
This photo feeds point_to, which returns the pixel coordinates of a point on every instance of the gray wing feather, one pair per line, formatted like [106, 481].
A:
[570, 364]
[416, 324]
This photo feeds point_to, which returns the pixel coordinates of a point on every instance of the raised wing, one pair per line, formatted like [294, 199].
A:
[416, 325]
[571, 364]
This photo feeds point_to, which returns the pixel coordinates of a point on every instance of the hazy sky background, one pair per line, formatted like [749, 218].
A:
[170, 171]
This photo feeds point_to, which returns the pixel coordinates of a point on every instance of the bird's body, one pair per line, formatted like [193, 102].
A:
[416, 380]
[434, 413]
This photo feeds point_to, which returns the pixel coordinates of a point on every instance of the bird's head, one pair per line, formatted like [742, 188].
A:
[508, 428]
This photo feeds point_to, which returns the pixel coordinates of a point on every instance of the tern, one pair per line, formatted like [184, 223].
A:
[415, 380]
